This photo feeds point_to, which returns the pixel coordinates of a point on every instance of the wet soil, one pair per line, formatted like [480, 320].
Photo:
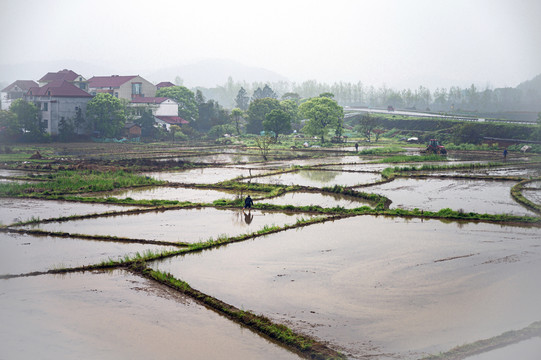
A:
[380, 287]
[116, 315]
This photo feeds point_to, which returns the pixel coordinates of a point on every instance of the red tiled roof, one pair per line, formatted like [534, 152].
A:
[65, 74]
[148, 100]
[109, 81]
[58, 88]
[164, 84]
[172, 120]
[23, 84]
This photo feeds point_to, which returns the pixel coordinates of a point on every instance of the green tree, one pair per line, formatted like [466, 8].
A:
[105, 115]
[263, 144]
[187, 105]
[242, 100]
[257, 112]
[147, 122]
[174, 129]
[27, 118]
[366, 125]
[291, 96]
[11, 129]
[278, 121]
[292, 108]
[237, 116]
[322, 113]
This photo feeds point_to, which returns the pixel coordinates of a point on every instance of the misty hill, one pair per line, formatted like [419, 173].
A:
[213, 72]
[531, 85]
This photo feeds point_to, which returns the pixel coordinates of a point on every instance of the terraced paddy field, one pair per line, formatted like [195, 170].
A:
[113, 254]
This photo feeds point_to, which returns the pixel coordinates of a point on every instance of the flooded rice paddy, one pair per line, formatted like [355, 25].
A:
[384, 287]
[369, 286]
[203, 175]
[117, 315]
[183, 225]
[14, 210]
[318, 178]
[299, 198]
[21, 253]
[176, 194]
[481, 196]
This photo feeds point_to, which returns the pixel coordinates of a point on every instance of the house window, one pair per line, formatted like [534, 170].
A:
[116, 94]
[136, 88]
[45, 106]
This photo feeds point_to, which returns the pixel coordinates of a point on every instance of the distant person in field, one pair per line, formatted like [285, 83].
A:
[504, 154]
[357, 147]
[248, 202]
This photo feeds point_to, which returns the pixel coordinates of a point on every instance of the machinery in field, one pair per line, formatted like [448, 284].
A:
[434, 147]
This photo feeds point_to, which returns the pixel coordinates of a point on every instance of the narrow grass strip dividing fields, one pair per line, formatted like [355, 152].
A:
[481, 346]
[308, 347]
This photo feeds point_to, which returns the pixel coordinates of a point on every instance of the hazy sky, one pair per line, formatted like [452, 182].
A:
[399, 43]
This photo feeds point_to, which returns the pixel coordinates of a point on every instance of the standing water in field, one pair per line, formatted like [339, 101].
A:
[378, 286]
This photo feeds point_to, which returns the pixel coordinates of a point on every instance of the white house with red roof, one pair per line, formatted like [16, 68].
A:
[58, 101]
[67, 75]
[165, 110]
[122, 87]
[15, 91]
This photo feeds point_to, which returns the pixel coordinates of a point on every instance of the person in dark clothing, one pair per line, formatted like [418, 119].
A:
[356, 146]
[504, 154]
[248, 202]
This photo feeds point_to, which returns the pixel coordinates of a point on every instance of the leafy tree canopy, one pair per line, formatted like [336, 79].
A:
[322, 113]
[106, 115]
[257, 113]
[279, 121]
[242, 100]
[27, 117]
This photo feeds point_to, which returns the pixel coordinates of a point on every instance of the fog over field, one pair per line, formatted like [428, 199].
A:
[399, 44]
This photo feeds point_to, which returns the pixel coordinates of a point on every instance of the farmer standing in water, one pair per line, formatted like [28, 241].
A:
[248, 202]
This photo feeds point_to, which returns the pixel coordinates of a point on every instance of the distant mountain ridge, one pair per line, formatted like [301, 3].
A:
[215, 72]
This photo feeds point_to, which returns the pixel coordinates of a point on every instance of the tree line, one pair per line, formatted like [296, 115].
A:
[452, 99]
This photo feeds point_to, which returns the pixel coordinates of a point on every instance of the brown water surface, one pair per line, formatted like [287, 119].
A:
[117, 315]
[176, 193]
[20, 254]
[380, 287]
[318, 178]
[183, 225]
[299, 198]
[203, 175]
[480, 196]
[14, 210]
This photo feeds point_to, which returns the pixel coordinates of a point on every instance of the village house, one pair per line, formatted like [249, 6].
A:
[15, 91]
[122, 87]
[165, 110]
[67, 75]
[57, 101]
[164, 84]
